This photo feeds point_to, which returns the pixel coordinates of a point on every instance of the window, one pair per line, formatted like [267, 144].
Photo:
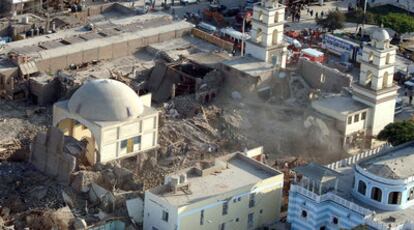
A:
[394, 198]
[222, 226]
[323, 78]
[349, 120]
[362, 187]
[385, 80]
[276, 20]
[274, 37]
[411, 194]
[225, 208]
[371, 57]
[260, 16]
[376, 194]
[250, 223]
[259, 35]
[304, 214]
[202, 217]
[322, 228]
[239, 199]
[364, 116]
[261, 211]
[165, 216]
[131, 145]
[335, 220]
[124, 144]
[154, 228]
[387, 59]
[368, 80]
[356, 118]
[237, 219]
[252, 200]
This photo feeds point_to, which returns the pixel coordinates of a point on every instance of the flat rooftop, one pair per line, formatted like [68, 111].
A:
[396, 163]
[249, 65]
[241, 171]
[140, 24]
[338, 106]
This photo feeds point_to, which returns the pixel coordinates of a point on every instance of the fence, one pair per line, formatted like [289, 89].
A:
[355, 158]
[330, 197]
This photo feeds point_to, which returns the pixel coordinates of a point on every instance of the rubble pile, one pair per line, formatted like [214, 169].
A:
[19, 124]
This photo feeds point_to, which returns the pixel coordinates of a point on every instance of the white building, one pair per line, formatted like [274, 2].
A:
[372, 104]
[375, 189]
[267, 42]
[111, 117]
[375, 87]
[234, 192]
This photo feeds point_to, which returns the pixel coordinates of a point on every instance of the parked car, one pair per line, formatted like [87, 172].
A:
[185, 2]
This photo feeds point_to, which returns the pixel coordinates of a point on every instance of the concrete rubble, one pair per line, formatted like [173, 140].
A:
[210, 105]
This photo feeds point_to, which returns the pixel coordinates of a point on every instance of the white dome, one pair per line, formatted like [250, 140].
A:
[381, 35]
[105, 100]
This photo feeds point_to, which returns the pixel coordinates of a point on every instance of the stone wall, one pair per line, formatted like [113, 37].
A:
[322, 77]
[47, 156]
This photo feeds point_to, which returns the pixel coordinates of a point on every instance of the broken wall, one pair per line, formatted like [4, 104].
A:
[319, 76]
[45, 93]
[47, 155]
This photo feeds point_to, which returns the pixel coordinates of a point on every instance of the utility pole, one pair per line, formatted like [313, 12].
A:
[363, 19]
[242, 40]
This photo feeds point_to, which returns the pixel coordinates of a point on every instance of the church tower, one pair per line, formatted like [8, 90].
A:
[266, 42]
[375, 87]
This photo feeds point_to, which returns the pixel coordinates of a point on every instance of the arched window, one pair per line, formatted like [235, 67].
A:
[274, 37]
[376, 194]
[304, 214]
[276, 17]
[385, 80]
[259, 35]
[371, 57]
[387, 59]
[362, 187]
[369, 78]
[260, 16]
[394, 198]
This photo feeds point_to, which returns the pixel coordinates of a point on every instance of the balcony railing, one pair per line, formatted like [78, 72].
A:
[330, 196]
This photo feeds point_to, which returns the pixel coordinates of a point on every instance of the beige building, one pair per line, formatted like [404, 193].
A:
[115, 121]
[234, 192]
[372, 104]
[267, 33]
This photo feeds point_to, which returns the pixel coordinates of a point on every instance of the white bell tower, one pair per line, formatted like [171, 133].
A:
[266, 42]
[375, 87]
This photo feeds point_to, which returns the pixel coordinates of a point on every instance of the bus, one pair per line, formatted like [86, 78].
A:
[234, 36]
[340, 46]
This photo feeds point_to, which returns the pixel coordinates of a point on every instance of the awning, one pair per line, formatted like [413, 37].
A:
[28, 68]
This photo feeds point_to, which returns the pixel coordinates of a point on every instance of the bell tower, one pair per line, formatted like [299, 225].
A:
[266, 42]
[375, 87]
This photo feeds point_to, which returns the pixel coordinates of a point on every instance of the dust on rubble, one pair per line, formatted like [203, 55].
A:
[19, 124]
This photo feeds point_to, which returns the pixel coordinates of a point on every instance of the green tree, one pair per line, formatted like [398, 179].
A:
[334, 20]
[398, 132]
[400, 22]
